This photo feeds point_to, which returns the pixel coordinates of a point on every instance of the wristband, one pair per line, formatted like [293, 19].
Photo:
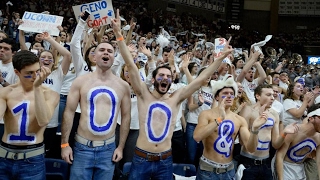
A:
[283, 135]
[120, 38]
[218, 120]
[64, 145]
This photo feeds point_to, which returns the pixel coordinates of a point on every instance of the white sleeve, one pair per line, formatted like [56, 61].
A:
[117, 65]
[75, 48]
[289, 104]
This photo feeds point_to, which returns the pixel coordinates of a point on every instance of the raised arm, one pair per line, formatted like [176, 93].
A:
[262, 73]
[139, 86]
[66, 61]
[22, 40]
[247, 67]
[101, 33]
[196, 83]
[45, 102]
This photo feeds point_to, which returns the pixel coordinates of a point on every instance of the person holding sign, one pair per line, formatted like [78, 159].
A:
[27, 108]
[102, 96]
[157, 112]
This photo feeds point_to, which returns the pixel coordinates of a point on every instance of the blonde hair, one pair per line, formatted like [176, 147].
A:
[239, 100]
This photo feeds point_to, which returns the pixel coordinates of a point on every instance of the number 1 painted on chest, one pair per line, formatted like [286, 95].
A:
[22, 136]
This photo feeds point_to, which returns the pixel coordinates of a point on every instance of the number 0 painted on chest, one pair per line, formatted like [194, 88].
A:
[93, 94]
[22, 136]
[164, 108]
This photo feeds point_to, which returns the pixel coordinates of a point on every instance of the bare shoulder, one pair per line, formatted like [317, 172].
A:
[273, 112]
[240, 119]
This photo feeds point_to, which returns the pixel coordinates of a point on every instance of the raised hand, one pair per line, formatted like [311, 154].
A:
[291, 128]
[145, 51]
[41, 76]
[46, 36]
[171, 57]
[227, 49]
[222, 108]
[116, 23]
[185, 61]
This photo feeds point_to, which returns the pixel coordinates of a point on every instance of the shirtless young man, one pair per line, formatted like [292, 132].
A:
[157, 113]
[27, 108]
[102, 97]
[258, 164]
[297, 147]
[218, 127]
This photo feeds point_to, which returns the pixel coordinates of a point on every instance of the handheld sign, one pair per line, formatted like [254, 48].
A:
[101, 12]
[37, 22]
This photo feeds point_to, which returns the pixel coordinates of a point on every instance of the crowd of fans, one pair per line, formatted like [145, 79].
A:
[277, 66]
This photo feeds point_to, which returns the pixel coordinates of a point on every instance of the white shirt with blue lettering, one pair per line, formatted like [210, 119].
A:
[208, 99]
[8, 74]
[54, 82]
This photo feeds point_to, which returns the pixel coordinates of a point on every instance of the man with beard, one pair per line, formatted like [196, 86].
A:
[217, 129]
[103, 97]
[297, 147]
[157, 113]
[258, 164]
[246, 77]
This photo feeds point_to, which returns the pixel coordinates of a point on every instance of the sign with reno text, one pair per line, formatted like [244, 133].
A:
[101, 12]
[37, 22]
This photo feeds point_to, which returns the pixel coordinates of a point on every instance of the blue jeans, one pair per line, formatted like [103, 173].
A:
[92, 162]
[195, 149]
[261, 172]
[206, 175]
[144, 170]
[62, 106]
[26, 169]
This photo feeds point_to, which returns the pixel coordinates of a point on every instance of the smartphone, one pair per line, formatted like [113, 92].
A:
[85, 16]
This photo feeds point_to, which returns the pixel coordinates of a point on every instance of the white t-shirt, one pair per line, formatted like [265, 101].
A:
[291, 104]
[54, 82]
[208, 99]
[283, 85]
[249, 88]
[68, 79]
[8, 74]
[278, 107]
[174, 87]
[134, 124]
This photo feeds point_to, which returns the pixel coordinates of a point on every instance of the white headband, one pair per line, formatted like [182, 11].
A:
[315, 112]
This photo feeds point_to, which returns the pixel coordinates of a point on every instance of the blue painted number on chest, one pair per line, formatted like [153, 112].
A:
[224, 142]
[92, 97]
[292, 152]
[22, 136]
[164, 108]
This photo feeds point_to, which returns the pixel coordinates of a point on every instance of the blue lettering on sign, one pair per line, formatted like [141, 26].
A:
[224, 142]
[22, 136]
[93, 95]
[292, 152]
[110, 12]
[96, 16]
[39, 17]
[163, 107]
[93, 7]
